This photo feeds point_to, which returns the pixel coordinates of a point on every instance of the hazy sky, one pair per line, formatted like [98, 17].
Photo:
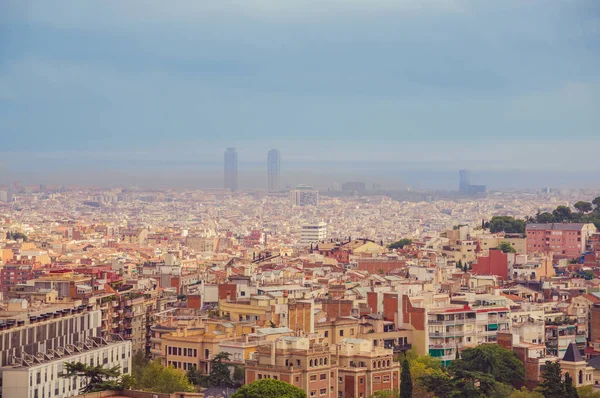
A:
[488, 85]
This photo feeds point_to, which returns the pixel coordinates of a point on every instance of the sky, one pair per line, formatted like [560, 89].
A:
[92, 89]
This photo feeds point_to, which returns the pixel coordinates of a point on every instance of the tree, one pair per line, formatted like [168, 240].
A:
[552, 384]
[220, 375]
[385, 394]
[420, 366]
[562, 214]
[506, 247]
[570, 390]
[406, 385]
[269, 388]
[163, 379]
[459, 265]
[588, 392]
[97, 378]
[503, 365]
[400, 244]
[545, 218]
[583, 207]
[596, 202]
[525, 393]
[507, 224]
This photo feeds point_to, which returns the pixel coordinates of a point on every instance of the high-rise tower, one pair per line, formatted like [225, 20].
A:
[273, 164]
[464, 185]
[231, 169]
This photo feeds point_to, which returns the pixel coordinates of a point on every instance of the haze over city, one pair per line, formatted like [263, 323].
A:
[401, 94]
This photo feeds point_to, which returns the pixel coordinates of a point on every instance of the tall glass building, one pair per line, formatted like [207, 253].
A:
[231, 169]
[273, 168]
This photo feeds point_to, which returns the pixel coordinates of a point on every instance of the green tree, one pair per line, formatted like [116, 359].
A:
[163, 379]
[420, 366]
[503, 365]
[506, 247]
[385, 394]
[400, 244]
[507, 224]
[552, 384]
[562, 214]
[588, 392]
[596, 202]
[544, 218]
[406, 384]
[97, 378]
[525, 393]
[269, 388]
[583, 207]
[220, 374]
[459, 265]
[570, 390]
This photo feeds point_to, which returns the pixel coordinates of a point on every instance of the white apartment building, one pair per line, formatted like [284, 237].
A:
[313, 233]
[304, 196]
[39, 376]
[463, 326]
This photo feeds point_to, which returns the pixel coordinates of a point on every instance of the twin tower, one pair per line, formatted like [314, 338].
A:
[231, 169]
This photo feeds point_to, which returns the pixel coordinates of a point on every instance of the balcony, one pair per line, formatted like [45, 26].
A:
[402, 347]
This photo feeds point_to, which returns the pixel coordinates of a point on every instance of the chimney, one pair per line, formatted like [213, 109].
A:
[273, 353]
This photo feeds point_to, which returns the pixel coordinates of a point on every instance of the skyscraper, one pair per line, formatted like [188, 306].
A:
[464, 185]
[273, 162]
[466, 188]
[304, 195]
[231, 169]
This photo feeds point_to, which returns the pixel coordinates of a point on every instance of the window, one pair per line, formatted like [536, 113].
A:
[351, 332]
[386, 379]
[323, 391]
[323, 376]
[313, 393]
[297, 379]
[259, 376]
[376, 379]
[340, 380]
[326, 333]
[342, 333]
[313, 378]
[362, 380]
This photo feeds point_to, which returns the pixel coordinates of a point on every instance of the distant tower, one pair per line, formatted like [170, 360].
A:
[273, 165]
[231, 169]
[464, 186]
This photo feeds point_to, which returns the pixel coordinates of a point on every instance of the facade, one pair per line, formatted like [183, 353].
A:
[567, 240]
[452, 329]
[273, 169]
[40, 377]
[352, 368]
[313, 233]
[494, 264]
[231, 169]
[49, 331]
[304, 196]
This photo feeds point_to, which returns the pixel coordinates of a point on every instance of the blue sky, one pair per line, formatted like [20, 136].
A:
[487, 85]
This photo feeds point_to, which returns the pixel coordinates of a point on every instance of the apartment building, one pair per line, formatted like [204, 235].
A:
[189, 348]
[468, 325]
[352, 368]
[47, 331]
[35, 376]
[313, 233]
[567, 240]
